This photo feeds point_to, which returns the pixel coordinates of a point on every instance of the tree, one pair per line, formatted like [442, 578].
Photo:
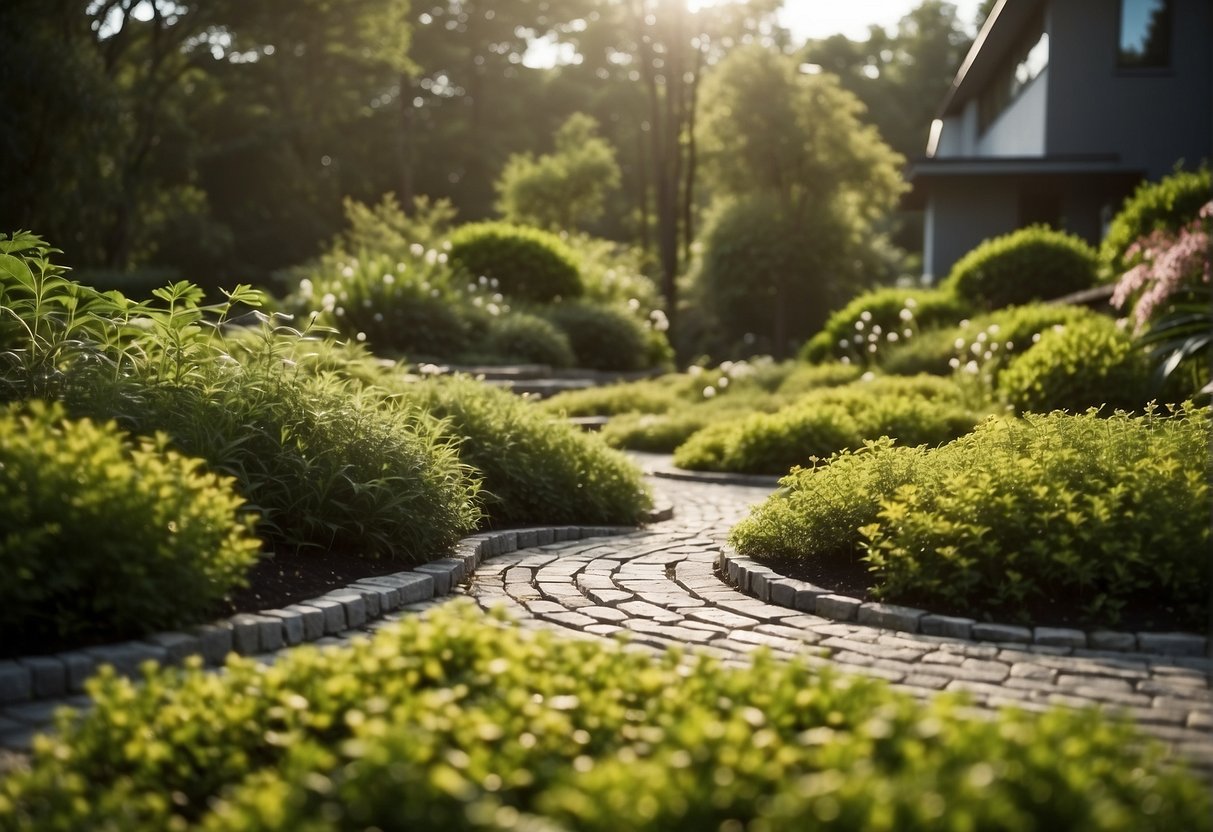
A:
[793, 146]
[564, 190]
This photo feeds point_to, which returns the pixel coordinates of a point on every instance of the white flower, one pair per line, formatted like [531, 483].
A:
[348, 271]
[954, 363]
[709, 392]
[1010, 345]
[844, 360]
[865, 316]
[378, 317]
[722, 382]
[859, 325]
[892, 336]
[982, 337]
[858, 339]
[993, 329]
[389, 279]
[431, 257]
[907, 333]
[964, 324]
[868, 376]
[871, 348]
[971, 368]
[328, 301]
[958, 344]
[442, 258]
[975, 348]
[416, 249]
[694, 370]
[401, 266]
[905, 314]
[633, 304]
[993, 346]
[1036, 338]
[911, 303]
[305, 287]
[483, 281]
[843, 344]
[876, 329]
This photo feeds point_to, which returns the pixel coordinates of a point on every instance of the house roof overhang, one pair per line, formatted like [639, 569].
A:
[999, 35]
[1087, 167]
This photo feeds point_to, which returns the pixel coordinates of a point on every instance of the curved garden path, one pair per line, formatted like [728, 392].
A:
[658, 585]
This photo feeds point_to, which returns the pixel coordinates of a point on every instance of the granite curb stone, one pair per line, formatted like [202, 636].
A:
[760, 581]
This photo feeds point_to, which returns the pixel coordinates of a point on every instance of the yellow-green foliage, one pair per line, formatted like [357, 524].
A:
[1164, 205]
[648, 396]
[914, 411]
[536, 469]
[1036, 263]
[103, 535]
[1056, 512]
[530, 264]
[1086, 363]
[451, 723]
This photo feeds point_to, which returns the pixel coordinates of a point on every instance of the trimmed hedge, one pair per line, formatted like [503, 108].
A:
[1036, 263]
[603, 337]
[1055, 512]
[104, 536]
[449, 723]
[519, 336]
[924, 410]
[530, 264]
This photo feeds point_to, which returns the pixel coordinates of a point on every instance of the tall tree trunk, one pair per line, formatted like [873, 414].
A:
[407, 146]
[692, 155]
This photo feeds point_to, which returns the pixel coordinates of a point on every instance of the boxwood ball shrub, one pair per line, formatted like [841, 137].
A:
[916, 411]
[1164, 205]
[1086, 363]
[1025, 519]
[107, 535]
[881, 312]
[530, 264]
[536, 469]
[1036, 263]
[519, 336]
[452, 723]
[603, 337]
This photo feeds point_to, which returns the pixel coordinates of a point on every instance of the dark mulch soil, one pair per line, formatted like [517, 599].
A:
[850, 577]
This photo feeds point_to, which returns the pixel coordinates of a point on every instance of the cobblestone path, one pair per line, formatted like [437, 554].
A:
[659, 586]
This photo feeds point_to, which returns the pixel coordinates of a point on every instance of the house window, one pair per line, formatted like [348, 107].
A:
[1024, 64]
[1145, 34]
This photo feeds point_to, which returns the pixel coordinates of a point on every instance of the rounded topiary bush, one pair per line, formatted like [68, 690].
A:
[529, 264]
[518, 336]
[1086, 363]
[108, 536]
[603, 337]
[1036, 263]
[903, 313]
[1163, 205]
[1056, 519]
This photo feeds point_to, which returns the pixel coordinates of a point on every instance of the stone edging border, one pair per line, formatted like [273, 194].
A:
[28, 679]
[761, 582]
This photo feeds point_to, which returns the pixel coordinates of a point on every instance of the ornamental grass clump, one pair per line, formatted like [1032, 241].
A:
[455, 722]
[1050, 519]
[107, 536]
[535, 470]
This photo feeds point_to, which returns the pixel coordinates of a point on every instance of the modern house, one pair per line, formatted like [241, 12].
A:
[1058, 111]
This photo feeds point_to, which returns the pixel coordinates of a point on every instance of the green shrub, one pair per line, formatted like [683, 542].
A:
[1164, 205]
[804, 378]
[1055, 512]
[414, 305]
[105, 536]
[536, 469]
[519, 336]
[878, 314]
[1087, 363]
[450, 723]
[925, 411]
[603, 338]
[646, 396]
[1036, 263]
[1002, 334]
[327, 465]
[530, 264]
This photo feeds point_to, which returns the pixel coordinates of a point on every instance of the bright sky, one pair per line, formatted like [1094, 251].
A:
[822, 18]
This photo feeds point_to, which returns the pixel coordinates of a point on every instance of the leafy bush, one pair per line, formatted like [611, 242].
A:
[1036, 263]
[519, 336]
[107, 536]
[603, 338]
[326, 464]
[882, 313]
[615, 274]
[1050, 513]
[1165, 205]
[1087, 363]
[448, 723]
[1001, 335]
[535, 469]
[530, 264]
[913, 411]
[646, 396]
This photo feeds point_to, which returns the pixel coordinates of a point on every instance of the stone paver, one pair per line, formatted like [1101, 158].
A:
[658, 588]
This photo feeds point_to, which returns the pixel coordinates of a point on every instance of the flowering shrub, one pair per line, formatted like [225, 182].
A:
[1168, 264]
[1053, 512]
[862, 330]
[449, 722]
[108, 536]
[1036, 263]
[1166, 205]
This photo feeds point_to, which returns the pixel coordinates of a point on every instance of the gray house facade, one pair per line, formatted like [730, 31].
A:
[1059, 110]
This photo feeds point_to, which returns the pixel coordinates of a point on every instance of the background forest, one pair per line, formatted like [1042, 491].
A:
[215, 140]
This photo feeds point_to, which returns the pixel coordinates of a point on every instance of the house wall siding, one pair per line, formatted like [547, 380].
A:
[1020, 129]
[1149, 119]
[960, 216]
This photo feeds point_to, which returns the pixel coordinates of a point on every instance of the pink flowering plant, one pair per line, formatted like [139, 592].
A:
[1169, 291]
